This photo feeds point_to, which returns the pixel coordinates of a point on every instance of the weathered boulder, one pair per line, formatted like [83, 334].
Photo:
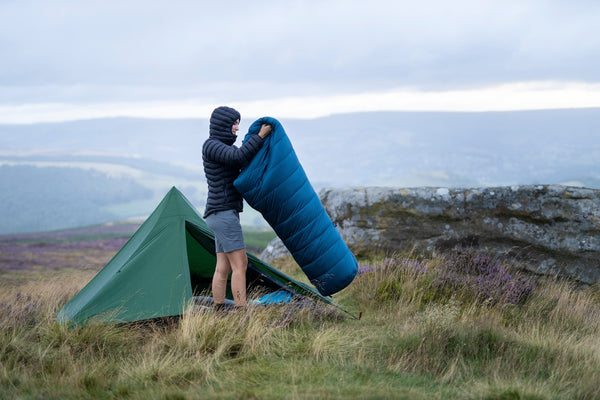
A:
[547, 229]
[274, 250]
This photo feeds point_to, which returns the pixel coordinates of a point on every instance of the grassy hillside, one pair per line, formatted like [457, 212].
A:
[460, 327]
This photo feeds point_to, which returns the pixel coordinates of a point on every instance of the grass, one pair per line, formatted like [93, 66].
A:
[424, 334]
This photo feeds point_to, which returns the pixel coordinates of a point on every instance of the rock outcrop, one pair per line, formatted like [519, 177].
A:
[547, 229]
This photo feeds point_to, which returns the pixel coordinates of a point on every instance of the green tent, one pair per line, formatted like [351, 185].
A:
[168, 260]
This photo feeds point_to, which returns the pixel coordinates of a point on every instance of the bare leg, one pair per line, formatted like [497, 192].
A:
[219, 282]
[238, 262]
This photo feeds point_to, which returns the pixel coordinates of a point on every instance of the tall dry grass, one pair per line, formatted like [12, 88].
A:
[416, 340]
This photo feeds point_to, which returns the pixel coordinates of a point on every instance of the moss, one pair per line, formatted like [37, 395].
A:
[505, 213]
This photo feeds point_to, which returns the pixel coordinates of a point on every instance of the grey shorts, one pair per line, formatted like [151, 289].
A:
[227, 229]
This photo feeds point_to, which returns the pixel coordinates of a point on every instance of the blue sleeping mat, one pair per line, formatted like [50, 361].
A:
[274, 183]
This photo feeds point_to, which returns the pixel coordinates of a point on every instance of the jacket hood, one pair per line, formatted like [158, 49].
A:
[221, 121]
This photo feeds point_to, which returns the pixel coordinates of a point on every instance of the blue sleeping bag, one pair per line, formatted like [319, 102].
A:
[275, 184]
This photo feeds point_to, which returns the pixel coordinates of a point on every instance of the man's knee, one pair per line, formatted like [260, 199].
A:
[240, 267]
[238, 259]
[222, 271]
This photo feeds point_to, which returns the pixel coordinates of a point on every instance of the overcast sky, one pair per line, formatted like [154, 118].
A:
[76, 59]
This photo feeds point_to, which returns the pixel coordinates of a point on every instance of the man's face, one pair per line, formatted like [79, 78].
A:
[235, 127]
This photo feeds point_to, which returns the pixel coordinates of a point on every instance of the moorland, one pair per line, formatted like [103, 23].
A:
[459, 326]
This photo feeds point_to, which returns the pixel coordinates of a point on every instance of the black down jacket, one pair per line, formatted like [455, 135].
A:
[223, 161]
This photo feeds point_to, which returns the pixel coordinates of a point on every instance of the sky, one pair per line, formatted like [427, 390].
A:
[79, 59]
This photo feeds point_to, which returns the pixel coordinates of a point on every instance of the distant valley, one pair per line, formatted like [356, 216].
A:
[60, 175]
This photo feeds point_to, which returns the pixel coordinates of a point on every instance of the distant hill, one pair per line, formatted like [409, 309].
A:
[37, 199]
[361, 149]
[172, 141]
[451, 149]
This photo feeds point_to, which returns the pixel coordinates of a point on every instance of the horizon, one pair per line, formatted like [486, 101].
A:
[75, 114]
[503, 98]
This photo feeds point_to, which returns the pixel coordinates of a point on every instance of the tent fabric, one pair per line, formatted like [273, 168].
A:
[167, 261]
[275, 184]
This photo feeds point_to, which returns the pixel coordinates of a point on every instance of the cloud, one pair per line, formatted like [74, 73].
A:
[77, 52]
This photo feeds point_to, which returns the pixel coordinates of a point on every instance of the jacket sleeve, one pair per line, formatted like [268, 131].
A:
[230, 155]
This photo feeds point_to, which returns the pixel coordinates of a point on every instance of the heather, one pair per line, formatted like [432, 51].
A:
[459, 326]
[463, 273]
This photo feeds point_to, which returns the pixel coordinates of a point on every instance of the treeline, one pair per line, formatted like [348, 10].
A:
[34, 198]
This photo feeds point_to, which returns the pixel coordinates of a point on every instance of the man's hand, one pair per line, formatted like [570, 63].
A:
[265, 130]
